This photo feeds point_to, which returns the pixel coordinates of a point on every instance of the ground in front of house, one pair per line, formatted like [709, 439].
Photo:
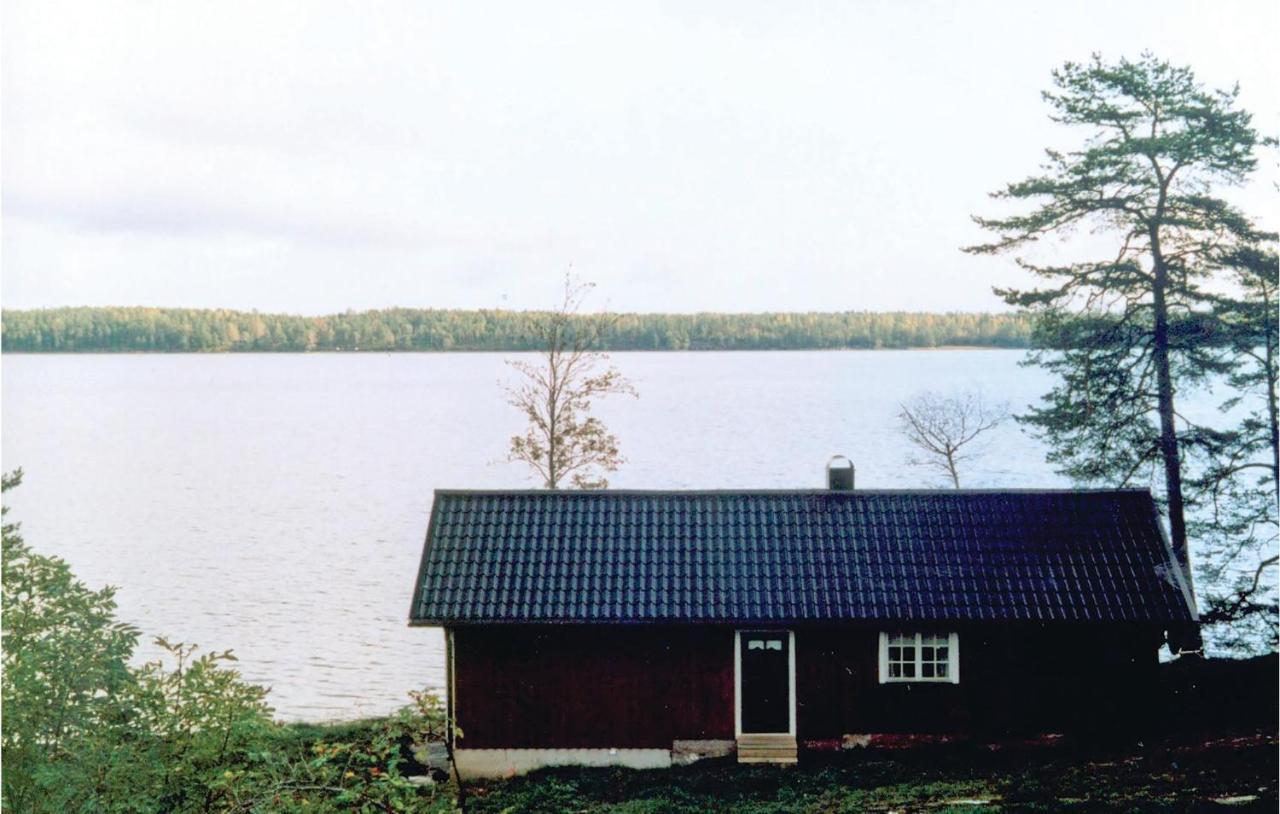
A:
[1226, 774]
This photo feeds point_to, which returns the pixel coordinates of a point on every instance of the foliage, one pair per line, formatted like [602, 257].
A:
[1170, 777]
[364, 774]
[68, 330]
[176, 729]
[944, 427]
[1129, 332]
[65, 662]
[84, 731]
[1238, 480]
[562, 441]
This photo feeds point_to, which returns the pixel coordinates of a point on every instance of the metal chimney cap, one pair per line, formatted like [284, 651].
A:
[840, 478]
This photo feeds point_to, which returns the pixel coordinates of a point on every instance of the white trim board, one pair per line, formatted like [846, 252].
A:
[737, 684]
[791, 658]
[451, 692]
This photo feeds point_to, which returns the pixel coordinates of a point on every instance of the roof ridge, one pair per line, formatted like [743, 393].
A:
[809, 491]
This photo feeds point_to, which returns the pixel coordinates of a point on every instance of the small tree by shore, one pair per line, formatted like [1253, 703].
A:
[562, 442]
[944, 426]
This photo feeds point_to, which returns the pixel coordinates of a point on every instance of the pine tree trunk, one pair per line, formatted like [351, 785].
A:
[1190, 639]
[1273, 410]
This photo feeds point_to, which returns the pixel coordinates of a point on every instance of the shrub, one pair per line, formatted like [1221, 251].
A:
[65, 659]
[85, 732]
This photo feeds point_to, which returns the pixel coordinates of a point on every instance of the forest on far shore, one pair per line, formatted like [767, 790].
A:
[188, 330]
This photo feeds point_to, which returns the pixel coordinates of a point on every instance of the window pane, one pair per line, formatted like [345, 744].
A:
[775, 645]
[916, 656]
[755, 644]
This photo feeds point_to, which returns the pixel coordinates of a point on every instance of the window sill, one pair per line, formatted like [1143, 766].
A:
[919, 681]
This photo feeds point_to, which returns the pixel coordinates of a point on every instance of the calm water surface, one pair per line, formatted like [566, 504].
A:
[276, 504]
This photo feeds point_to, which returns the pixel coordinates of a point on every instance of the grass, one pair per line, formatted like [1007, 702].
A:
[1187, 776]
[1183, 774]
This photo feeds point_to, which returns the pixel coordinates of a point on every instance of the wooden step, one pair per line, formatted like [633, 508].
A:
[766, 749]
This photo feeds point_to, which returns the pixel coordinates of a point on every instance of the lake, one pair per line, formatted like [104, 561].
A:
[276, 504]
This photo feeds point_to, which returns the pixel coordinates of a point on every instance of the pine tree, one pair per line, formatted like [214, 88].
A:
[1128, 332]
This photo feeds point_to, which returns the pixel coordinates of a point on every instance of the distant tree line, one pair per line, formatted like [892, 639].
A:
[68, 330]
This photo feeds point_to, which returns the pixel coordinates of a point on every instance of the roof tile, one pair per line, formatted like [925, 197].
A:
[554, 556]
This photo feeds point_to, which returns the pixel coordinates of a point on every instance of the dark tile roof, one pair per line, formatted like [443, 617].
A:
[785, 556]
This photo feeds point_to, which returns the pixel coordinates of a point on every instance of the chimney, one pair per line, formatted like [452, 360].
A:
[840, 478]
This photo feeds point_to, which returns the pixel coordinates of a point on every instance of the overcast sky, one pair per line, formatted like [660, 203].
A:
[740, 156]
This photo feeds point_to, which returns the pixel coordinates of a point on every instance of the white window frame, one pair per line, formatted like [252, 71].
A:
[953, 660]
[737, 679]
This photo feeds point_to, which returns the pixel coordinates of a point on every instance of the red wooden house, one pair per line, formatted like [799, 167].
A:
[641, 628]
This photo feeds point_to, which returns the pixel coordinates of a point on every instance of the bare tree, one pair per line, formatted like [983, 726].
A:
[943, 427]
[563, 442]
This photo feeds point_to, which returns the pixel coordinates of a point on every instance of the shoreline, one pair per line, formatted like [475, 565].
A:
[464, 351]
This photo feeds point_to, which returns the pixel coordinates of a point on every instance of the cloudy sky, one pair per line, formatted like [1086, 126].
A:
[739, 156]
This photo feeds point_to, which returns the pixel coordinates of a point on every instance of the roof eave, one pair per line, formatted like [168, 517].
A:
[1175, 568]
[811, 491]
[776, 623]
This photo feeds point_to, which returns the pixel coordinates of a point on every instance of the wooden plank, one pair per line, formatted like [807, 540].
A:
[593, 687]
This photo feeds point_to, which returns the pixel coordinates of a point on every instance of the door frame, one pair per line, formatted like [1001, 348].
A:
[737, 680]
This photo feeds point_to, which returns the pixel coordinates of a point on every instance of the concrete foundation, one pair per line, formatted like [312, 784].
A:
[690, 751]
[508, 762]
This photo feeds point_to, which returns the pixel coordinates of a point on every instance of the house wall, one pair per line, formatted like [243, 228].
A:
[567, 687]
[1014, 679]
[641, 687]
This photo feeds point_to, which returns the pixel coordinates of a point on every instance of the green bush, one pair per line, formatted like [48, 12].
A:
[85, 732]
[65, 665]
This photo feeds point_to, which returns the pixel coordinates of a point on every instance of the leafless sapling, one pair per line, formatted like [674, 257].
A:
[562, 442]
[943, 427]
